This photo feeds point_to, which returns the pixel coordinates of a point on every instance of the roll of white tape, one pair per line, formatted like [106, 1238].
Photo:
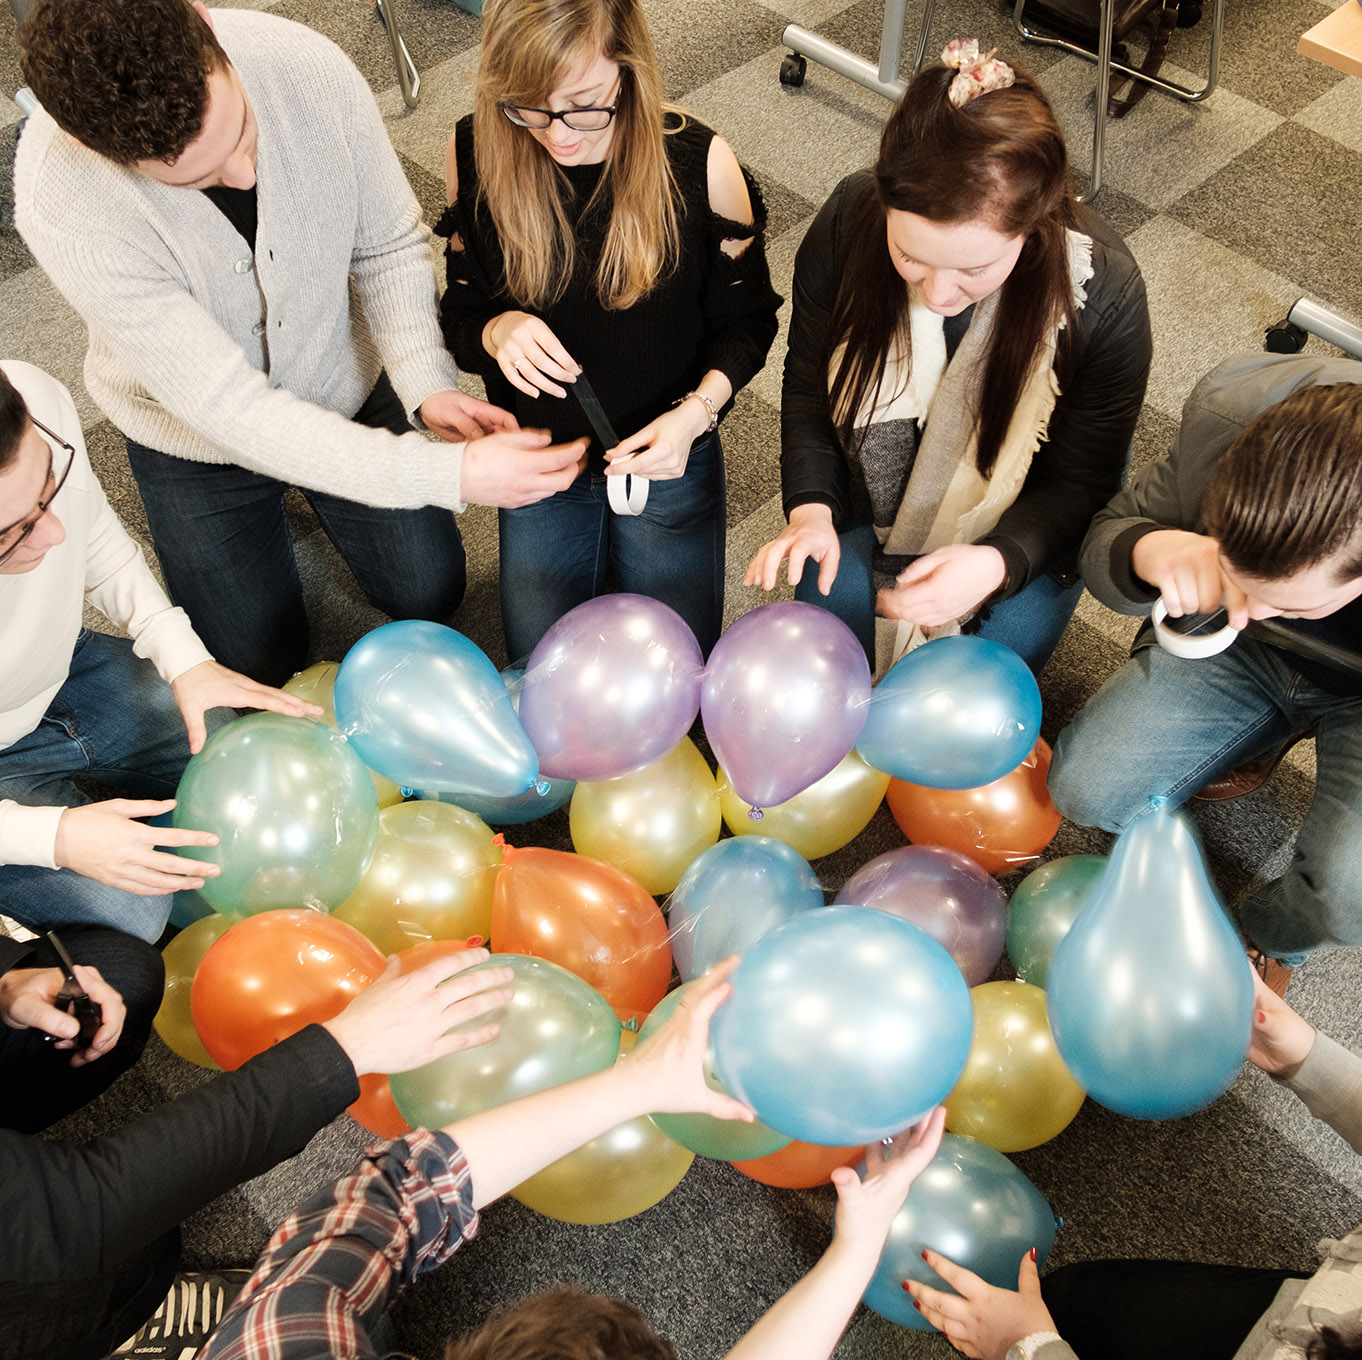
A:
[628, 494]
[1192, 645]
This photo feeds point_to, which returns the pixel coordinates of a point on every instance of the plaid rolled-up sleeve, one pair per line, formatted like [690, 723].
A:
[333, 1267]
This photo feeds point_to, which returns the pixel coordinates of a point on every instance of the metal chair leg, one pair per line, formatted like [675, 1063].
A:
[408, 77]
[883, 79]
[1105, 65]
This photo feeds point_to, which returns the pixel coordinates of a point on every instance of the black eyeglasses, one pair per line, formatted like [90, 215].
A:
[579, 120]
[12, 538]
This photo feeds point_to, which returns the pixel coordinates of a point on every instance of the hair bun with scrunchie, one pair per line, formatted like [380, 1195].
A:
[975, 74]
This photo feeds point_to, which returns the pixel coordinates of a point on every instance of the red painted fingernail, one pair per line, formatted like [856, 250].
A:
[903, 1284]
[924, 1254]
[1033, 1253]
[917, 1305]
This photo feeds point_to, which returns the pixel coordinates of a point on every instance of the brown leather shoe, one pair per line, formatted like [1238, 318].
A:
[1276, 975]
[1248, 777]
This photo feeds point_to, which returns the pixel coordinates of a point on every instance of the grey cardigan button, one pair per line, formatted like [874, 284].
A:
[244, 266]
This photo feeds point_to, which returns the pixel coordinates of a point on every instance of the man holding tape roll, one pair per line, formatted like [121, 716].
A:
[1255, 514]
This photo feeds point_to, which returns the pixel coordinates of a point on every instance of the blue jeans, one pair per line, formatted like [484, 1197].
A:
[114, 720]
[1031, 622]
[222, 537]
[568, 549]
[1166, 725]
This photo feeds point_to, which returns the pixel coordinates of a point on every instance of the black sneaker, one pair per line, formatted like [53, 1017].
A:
[187, 1316]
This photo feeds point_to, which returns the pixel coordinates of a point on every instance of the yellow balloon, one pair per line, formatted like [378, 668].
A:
[616, 1175]
[430, 878]
[652, 823]
[1015, 1092]
[316, 684]
[182, 957]
[826, 816]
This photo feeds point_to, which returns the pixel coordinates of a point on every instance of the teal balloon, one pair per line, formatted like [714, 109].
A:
[955, 713]
[555, 1029]
[1150, 994]
[294, 811]
[425, 708]
[974, 1207]
[734, 893]
[546, 796]
[1044, 907]
[845, 1025]
[725, 1140]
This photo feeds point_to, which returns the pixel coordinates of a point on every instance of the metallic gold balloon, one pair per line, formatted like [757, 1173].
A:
[652, 823]
[181, 956]
[316, 684]
[826, 816]
[618, 1174]
[431, 878]
[553, 1030]
[1015, 1092]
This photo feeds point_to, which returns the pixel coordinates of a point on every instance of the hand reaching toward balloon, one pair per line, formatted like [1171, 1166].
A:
[667, 1073]
[110, 843]
[1282, 1039]
[944, 585]
[1185, 569]
[404, 1021]
[809, 537]
[980, 1320]
[210, 685]
[866, 1208]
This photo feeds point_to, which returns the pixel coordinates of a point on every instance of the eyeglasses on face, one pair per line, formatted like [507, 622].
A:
[12, 539]
[579, 120]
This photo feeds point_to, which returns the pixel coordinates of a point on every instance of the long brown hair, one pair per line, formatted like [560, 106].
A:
[528, 47]
[999, 159]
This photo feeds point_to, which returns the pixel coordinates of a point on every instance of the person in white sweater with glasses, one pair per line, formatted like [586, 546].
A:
[216, 195]
[125, 711]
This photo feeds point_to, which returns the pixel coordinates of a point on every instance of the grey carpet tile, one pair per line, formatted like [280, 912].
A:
[1337, 114]
[752, 427]
[14, 256]
[433, 30]
[690, 49]
[785, 209]
[428, 188]
[1282, 204]
[1258, 54]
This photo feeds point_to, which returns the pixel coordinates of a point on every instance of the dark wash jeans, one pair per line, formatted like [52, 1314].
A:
[222, 538]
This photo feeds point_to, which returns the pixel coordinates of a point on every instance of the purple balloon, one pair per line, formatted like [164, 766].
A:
[944, 893]
[611, 688]
[784, 699]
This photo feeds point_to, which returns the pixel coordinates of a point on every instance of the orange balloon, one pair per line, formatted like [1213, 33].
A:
[588, 917]
[429, 950]
[376, 1110]
[800, 1166]
[273, 974]
[1001, 825]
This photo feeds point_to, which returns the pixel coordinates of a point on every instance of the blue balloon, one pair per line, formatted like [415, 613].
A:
[974, 1207]
[1150, 995]
[548, 795]
[734, 893]
[955, 713]
[845, 1025]
[423, 706]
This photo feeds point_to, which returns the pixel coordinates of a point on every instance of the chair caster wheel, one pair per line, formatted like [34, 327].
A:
[1284, 338]
[793, 68]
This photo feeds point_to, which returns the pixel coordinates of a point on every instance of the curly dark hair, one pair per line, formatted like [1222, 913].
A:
[127, 78]
[564, 1324]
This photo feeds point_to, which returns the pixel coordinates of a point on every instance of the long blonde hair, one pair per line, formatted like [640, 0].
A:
[528, 47]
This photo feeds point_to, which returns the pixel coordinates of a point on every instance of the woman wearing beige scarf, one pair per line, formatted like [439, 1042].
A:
[968, 356]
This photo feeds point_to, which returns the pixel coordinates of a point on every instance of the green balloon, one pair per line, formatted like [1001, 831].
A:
[1046, 903]
[294, 811]
[725, 1140]
[555, 1029]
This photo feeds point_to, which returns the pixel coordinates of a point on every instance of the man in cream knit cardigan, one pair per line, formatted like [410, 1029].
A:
[217, 197]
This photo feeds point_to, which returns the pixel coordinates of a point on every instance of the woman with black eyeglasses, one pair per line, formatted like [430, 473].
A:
[595, 233]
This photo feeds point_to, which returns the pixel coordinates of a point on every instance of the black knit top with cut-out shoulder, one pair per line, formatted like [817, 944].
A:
[712, 312]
